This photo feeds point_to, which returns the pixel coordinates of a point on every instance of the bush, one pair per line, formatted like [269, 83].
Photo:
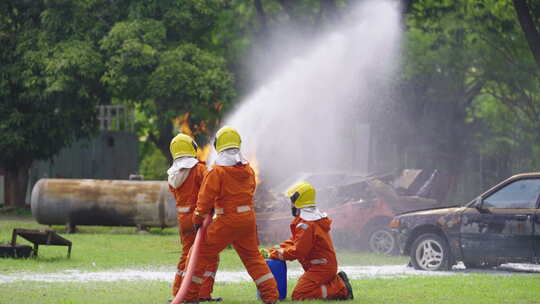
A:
[154, 165]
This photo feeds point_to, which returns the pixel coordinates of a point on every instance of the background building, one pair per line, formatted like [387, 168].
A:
[111, 154]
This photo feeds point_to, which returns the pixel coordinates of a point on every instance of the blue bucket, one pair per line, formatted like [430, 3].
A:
[279, 270]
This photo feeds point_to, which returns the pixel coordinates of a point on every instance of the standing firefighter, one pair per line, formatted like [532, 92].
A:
[228, 189]
[185, 178]
[312, 246]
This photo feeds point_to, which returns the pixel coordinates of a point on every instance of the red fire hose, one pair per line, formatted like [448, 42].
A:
[192, 262]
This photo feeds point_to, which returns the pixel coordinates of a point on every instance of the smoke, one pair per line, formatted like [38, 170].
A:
[310, 115]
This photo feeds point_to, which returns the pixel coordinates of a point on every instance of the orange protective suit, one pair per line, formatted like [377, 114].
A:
[186, 199]
[229, 191]
[312, 246]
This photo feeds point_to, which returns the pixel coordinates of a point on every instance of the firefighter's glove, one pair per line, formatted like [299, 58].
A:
[197, 218]
[196, 227]
[276, 253]
[264, 252]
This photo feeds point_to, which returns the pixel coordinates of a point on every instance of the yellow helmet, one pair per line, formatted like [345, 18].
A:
[302, 195]
[183, 145]
[227, 137]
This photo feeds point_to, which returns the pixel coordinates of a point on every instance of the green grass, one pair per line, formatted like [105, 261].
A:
[101, 248]
[106, 248]
[476, 288]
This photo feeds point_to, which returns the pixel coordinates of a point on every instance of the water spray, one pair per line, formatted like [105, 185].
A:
[309, 117]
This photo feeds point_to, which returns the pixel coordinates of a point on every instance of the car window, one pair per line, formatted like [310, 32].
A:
[519, 194]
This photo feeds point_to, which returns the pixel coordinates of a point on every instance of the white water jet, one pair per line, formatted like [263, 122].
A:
[310, 116]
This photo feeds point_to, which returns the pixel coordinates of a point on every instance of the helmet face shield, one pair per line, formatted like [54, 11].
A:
[294, 211]
[295, 197]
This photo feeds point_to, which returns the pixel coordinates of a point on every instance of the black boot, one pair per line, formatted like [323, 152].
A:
[171, 299]
[216, 299]
[345, 280]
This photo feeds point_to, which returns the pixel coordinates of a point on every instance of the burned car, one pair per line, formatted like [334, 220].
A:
[361, 207]
[502, 225]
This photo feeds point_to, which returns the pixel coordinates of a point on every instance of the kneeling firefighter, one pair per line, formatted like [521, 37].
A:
[185, 177]
[312, 246]
[228, 188]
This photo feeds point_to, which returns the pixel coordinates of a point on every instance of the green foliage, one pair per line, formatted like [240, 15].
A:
[62, 58]
[132, 50]
[472, 85]
[154, 165]
[48, 87]
[166, 72]
[184, 20]
[510, 104]
[72, 65]
[470, 82]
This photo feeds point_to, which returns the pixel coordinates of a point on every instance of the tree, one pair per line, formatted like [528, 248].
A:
[60, 59]
[525, 14]
[49, 82]
[510, 105]
[470, 83]
[166, 76]
[439, 85]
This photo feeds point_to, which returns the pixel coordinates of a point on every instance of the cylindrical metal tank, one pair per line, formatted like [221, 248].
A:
[103, 203]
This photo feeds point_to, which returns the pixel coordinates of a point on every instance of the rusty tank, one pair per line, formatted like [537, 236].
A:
[74, 202]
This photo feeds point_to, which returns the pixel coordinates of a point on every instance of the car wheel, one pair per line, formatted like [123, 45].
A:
[381, 240]
[430, 252]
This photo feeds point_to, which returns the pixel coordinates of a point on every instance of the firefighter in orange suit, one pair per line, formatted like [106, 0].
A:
[312, 246]
[185, 177]
[228, 189]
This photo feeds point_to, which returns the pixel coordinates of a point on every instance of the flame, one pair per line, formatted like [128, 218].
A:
[183, 124]
[204, 152]
[255, 166]
[254, 163]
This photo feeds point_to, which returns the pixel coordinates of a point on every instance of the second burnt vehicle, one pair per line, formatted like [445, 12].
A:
[502, 225]
[360, 206]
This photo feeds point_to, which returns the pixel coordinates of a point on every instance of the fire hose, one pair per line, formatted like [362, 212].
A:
[192, 261]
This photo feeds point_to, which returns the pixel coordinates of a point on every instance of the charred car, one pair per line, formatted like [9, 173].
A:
[502, 225]
[361, 207]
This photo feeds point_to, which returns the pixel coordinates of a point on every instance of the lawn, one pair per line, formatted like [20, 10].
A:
[476, 288]
[112, 248]
[102, 248]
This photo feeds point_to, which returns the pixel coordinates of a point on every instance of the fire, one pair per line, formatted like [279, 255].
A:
[183, 123]
[254, 165]
[183, 126]
[204, 152]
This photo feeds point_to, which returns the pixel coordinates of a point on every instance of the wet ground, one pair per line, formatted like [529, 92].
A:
[166, 274]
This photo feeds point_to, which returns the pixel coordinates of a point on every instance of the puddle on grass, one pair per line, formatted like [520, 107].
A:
[166, 274]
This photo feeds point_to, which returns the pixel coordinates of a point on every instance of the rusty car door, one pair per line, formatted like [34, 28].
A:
[501, 224]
